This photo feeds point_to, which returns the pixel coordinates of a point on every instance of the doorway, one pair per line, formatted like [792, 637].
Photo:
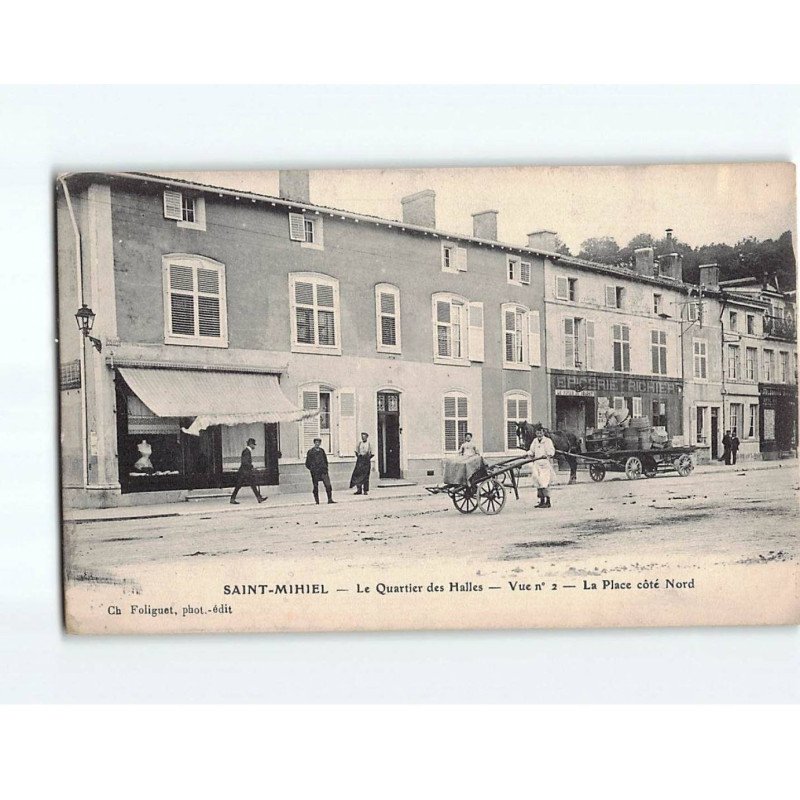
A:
[202, 458]
[714, 433]
[389, 435]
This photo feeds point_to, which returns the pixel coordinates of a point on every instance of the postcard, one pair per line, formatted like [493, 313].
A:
[517, 397]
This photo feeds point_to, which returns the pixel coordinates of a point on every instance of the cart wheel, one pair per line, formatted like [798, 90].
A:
[464, 499]
[491, 497]
[633, 468]
[597, 472]
[650, 466]
[684, 465]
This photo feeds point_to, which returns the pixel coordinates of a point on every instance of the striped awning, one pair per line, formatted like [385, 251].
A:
[212, 398]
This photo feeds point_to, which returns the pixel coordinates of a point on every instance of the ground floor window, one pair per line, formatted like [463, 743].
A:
[659, 415]
[516, 411]
[737, 419]
[700, 432]
[456, 421]
[752, 430]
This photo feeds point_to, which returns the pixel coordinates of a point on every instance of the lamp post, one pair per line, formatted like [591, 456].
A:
[85, 319]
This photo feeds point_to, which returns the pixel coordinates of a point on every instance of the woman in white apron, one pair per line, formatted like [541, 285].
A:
[541, 451]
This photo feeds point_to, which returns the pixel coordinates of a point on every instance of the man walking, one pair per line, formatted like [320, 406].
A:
[541, 451]
[246, 474]
[360, 477]
[317, 465]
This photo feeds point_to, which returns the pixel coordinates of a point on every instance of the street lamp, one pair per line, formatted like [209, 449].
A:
[85, 319]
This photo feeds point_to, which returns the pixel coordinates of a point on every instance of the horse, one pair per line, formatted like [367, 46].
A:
[563, 441]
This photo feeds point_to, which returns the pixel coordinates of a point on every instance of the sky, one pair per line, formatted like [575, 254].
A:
[703, 203]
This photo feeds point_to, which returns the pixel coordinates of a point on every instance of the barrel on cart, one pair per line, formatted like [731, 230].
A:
[483, 487]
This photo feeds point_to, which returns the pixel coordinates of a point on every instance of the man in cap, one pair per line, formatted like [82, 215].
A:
[246, 474]
[317, 465]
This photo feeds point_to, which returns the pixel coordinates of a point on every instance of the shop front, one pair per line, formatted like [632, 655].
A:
[584, 401]
[778, 419]
[181, 429]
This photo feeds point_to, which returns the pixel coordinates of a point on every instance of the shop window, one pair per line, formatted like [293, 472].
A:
[659, 416]
[700, 429]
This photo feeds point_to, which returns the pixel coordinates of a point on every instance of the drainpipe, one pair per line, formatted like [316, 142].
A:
[79, 276]
[723, 306]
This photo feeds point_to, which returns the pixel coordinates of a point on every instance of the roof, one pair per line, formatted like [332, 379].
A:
[621, 272]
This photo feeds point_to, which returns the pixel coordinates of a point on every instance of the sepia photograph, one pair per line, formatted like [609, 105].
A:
[490, 397]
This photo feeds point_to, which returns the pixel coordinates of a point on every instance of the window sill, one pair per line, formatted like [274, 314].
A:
[194, 226]
[451, 362]
[312, 246]
[316, 349]
[385, 348]
[452, 271]
[515, 366]
[196, 341]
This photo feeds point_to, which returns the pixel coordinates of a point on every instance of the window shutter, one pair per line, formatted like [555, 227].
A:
[522, 408]
[534, 340]
[297, 227]
[562, 288]
[462, 407]
[309, 428]
[525, 272]
[476, 331]
[611, 296]
[443, 311]
[569, 342]
[589, 344]
[182, 319]
[637, 406]
[324, 295]
[461, 259]
[347, 422]
[173, 205]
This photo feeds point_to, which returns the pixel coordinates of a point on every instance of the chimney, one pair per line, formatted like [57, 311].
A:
[484, 225]
[709, 275]
[420, 208]
[670, 266]
[542, 240]
[670, 241]
[644, 261]
[293, 185]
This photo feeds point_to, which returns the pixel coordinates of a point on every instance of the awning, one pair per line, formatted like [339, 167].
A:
[212, 398]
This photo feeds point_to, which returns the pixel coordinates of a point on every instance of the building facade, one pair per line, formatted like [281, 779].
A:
[614, 342]
[216, 305]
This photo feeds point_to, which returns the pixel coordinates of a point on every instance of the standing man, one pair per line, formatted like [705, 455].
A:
[360, 477]
[317, 465]
[542, 450]
[246, 474]
[726, 447]
[734, 447]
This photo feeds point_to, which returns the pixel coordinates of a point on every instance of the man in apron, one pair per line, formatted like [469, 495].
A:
[542, 450]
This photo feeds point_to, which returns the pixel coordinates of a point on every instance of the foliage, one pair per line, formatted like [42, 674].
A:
[601, 248]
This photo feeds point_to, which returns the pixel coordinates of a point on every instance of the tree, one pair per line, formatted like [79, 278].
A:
[561, 247]
[602, 248]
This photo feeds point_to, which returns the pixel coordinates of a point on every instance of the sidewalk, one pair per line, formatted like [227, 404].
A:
[247, 503]
[221, 505]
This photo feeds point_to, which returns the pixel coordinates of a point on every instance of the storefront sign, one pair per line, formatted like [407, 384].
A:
[587, 384]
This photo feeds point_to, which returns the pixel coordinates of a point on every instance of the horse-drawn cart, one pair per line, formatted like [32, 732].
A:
[486, 487]
[636, 463]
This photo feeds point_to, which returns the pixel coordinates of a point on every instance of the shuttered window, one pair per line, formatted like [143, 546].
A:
[658, 352]
[525, 272]
[700, 359]
[517, 410]
[570, 343]
[456, 421]
[452, 325]
[387, 318]
[188, 211]
[454, 258]
[621, 342]
[589, 344]
[195, 313]
[515, 332]
[315, 313]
